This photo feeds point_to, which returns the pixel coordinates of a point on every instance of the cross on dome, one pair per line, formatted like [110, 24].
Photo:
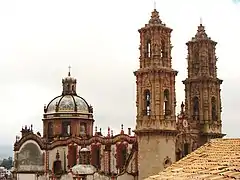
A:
[69, 70]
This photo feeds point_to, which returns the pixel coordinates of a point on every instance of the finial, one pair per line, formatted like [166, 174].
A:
[122, 132]
[112, 133]
[200, 20]
[69, 70]
[108, 131]
[155, 4]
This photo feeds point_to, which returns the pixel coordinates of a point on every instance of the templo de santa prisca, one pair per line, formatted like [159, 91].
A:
[71, 147]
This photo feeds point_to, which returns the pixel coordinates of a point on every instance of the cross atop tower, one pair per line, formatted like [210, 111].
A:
[69, 70]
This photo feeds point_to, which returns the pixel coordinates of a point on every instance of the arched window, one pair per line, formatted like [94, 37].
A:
[66, 128]
[195, 106]
[166, 102]
[57, 165]
[121, 156]
[214, 109]
[50, 129]
[148, 48]
[73, 89]
[147, 100]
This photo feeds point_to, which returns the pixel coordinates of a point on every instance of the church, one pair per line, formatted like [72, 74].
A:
[70, 147]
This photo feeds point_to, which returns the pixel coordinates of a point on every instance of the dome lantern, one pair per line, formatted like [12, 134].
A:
[69, 84]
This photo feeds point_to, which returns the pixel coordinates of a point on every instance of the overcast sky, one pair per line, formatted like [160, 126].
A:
[99, 39]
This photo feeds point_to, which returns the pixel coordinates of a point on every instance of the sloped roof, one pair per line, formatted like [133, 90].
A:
[217, 159]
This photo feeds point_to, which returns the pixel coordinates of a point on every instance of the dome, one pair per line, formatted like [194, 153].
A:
[68, 103]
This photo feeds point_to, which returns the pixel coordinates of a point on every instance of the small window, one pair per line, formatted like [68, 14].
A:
[66, 128]
[147, 102]
[73, 89]
[148, 49]
[166, 102]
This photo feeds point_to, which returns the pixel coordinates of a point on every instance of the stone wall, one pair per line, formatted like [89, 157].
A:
[153, 151]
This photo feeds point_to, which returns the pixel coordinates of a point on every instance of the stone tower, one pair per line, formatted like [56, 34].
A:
[156, 99]
[202, 88]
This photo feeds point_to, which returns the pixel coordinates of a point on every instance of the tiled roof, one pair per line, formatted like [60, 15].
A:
[217, 159]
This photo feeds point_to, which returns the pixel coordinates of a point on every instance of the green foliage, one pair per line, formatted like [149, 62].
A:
[7, 163]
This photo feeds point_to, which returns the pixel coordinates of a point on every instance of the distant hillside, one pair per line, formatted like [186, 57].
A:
[6, 151]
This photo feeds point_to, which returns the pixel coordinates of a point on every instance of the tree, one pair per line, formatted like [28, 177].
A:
[7, 163]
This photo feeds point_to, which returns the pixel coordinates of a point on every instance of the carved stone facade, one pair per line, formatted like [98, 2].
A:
[202, 88]
[156, 120]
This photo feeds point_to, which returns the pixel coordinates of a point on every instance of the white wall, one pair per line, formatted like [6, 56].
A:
[26, 177]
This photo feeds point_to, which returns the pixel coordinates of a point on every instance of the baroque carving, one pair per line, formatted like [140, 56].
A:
[146, 81]
[213, 89]
[195, 90]
[157, 49]
[166, 82]
[205, 94]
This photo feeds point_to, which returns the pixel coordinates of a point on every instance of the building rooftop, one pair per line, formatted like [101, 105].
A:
[217, 159]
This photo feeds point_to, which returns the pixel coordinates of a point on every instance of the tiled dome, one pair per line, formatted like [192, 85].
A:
[68, 103]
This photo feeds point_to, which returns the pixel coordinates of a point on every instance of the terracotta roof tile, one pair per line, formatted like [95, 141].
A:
[218, 159]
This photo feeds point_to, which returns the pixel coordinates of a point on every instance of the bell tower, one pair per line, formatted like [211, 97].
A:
[202, 88]
[156, 99]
